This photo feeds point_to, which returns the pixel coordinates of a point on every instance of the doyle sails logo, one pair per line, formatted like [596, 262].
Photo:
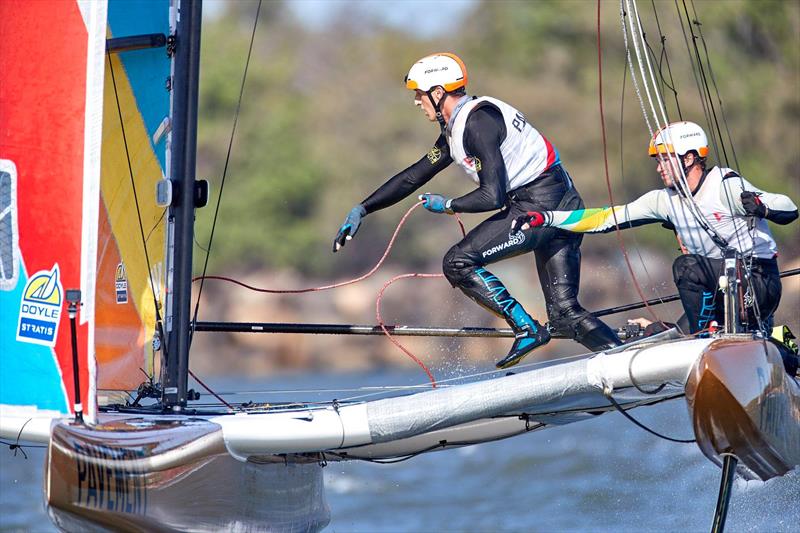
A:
[121, 284]
[40, 308]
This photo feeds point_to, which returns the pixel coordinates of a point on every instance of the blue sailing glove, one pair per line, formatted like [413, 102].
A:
[436, 203]
[350, 227]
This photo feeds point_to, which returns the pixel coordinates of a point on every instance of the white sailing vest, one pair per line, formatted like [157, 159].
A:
[526, 152]
[718, 215]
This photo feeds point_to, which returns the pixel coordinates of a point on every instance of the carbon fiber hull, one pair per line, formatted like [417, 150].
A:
[143, 474]
[743, 403]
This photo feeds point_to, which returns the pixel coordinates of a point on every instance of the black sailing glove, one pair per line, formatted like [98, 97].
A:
[752, 204]
[531, 219]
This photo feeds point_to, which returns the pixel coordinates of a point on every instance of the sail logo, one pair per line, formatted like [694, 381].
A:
[40, 308]
[121, 284]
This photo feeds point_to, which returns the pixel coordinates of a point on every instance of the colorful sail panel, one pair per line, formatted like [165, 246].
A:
[130, 279]
[50, 125]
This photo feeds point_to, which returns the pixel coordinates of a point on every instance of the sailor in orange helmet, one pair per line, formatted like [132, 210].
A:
[515, 168]
[710, 212]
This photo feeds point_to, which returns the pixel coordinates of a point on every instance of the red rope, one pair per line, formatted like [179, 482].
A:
[217, 396]
[349, 282]
[618, 232]
[386, 331]
[325, 287]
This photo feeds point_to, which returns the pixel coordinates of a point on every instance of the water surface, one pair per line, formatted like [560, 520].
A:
[604, 474]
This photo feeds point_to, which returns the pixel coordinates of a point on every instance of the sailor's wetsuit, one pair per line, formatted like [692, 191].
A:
[517, 170]
[696, 273]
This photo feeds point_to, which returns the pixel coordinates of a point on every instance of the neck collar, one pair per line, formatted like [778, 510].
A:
[461, 102]
[700, 182]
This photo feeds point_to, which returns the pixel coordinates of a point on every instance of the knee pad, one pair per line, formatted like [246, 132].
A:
[686, 271]
[456, 266]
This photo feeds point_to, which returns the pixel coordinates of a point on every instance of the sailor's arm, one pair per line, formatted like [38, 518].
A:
[744, 199]
[484, 132]
[647, 209]
[402, 184]
[395, 189]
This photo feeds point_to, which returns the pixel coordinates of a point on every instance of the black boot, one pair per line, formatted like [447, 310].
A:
[529, 335]
[596, 335]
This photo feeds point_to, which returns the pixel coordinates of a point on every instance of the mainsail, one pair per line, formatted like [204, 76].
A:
[49, 176]
[83, 144]
[136, 107]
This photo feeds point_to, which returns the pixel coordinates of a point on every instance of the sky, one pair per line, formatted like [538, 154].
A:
[429, 16]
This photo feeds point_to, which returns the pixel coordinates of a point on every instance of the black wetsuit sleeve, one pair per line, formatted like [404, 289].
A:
[409, 180]
[484, 132]
[781, 217]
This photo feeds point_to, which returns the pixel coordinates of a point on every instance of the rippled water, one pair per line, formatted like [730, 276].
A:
[600, 475]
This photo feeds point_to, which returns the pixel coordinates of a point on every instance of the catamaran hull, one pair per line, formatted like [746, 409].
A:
[150, 474]
[743, 403]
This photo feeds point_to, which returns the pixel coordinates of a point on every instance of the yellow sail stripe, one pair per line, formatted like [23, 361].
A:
[118, 196]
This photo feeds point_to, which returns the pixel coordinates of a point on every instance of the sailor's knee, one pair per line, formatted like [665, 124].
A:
[684, 269]
[456, 265]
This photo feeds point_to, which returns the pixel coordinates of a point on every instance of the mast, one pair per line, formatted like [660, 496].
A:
[184, 146]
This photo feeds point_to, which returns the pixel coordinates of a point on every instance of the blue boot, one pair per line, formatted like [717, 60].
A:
[529, 335]
[487, 290]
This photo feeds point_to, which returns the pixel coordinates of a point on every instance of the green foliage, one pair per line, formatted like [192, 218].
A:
[325, 118]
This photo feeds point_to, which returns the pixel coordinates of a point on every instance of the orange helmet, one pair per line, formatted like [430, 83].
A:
[442, 69]
[679, 138]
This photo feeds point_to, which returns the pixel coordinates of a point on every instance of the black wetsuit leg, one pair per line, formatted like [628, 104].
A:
[557, 256]
[697, 279]
[765, 283]
[558, 262]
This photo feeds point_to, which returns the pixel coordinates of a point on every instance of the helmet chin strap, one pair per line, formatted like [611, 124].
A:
[685, 173]
[686, 170]
[438, 108]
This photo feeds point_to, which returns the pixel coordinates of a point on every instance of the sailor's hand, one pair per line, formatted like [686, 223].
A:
[436, 203]
[752, 204]
[531, 219]
[349, 227]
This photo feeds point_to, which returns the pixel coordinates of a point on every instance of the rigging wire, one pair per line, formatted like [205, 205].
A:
[607, 393]
[156, 303]
[156, 225]
[618, 231]
[224, 172]
[219, 198]
[637, 247]
[654, 100]
[649, 78]
[716, 88]
[660, 117]
[671, 84]
[748, 266]
[206, 387]
[705, 92]
[21, 447]
[713, 120]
